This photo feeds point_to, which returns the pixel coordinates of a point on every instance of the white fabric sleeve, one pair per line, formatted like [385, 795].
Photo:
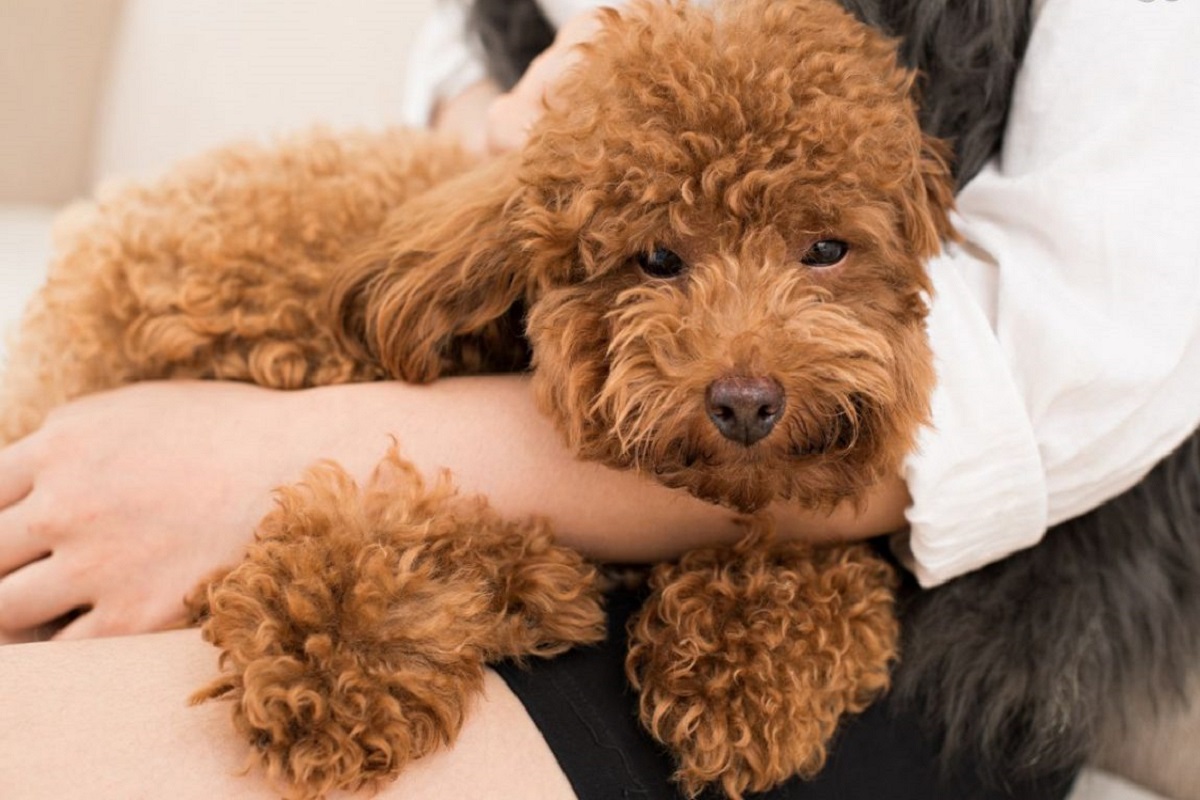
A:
[559, 11]
[441, 63]
[1067, 327]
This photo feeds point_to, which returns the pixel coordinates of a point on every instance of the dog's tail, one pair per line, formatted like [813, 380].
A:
[1037, 664]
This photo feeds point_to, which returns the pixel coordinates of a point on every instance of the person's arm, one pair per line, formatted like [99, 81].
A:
[489, 434]
[126, 500]
[1067, 327]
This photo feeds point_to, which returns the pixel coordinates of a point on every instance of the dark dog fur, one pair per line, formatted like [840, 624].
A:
[1041, 662]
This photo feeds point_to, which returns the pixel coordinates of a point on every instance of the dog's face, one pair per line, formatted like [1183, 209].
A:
[718, 230]
[738, 207]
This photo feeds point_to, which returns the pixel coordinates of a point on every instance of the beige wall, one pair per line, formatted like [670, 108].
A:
[53, 58]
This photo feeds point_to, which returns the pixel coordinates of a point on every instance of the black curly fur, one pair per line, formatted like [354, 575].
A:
[512, 33]
[1037, 661]
[966, 50]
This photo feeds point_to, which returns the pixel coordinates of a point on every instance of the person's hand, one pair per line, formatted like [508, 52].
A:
[124, 501]
[487, 121]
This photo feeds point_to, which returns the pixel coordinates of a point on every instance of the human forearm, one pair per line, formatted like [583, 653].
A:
[489, 434]
[125, 500]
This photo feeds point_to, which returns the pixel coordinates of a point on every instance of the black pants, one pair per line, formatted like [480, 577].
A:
[587, 713]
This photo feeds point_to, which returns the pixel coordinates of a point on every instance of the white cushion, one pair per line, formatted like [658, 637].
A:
[24, 255]
[188, 74]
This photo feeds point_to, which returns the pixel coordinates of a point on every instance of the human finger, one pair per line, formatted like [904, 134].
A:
[16, 472]
[465, 115]
[37, 594]
[511, 116]
[509, 120]
[88, 625]
[18, 545]
[110, 620]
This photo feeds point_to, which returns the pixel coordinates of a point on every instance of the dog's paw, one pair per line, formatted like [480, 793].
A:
[339, 673]
[747, 657]
[355, 633]
[324, 721]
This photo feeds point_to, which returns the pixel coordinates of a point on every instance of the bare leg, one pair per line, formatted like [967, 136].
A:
[108, 718]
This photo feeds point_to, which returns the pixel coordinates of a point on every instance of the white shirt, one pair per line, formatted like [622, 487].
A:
[1066, 327]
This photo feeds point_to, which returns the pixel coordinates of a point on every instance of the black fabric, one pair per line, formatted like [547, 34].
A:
[586, 711]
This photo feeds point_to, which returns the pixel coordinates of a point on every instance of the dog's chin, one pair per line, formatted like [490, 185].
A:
[810, 473]
[823, 453]
[745, 491]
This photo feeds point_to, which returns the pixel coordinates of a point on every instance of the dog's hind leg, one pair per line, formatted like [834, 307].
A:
[355, 634]
[746, 657]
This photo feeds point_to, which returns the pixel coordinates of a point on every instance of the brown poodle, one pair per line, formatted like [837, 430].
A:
[710, 254]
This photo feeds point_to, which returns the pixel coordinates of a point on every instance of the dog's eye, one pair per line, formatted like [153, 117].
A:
[825, 253]
[661, 263]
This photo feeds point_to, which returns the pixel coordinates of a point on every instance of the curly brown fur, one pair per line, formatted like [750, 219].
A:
[355, 633]
[748, 657]
[213, 271]
[741, 135]
[736, 137]
[966, 53]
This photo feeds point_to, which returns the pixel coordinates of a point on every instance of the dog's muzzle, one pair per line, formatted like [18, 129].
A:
[744, 409]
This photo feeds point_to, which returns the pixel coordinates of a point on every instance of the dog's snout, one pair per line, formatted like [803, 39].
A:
[744, 409]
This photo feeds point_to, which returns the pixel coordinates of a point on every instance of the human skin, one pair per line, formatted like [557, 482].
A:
[124, 500]
[488, 120]
[77, 729]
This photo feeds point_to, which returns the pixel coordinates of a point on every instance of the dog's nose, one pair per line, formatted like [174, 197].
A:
[744, 409]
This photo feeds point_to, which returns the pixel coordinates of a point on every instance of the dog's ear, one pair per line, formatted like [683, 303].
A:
[926, 204]
[435, 291]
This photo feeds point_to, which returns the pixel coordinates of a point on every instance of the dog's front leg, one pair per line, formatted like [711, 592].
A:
[746, 657]
[355, 634]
